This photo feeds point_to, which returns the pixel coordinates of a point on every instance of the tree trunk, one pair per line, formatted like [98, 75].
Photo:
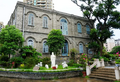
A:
[101, 48]
[9, 56]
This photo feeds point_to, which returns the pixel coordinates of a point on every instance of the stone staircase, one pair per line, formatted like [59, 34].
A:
[103, 73]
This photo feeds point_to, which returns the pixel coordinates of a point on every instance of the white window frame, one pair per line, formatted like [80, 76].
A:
[45, 47]
[31, 19]
[79, 28]
[88, 29]
[45, 21]
[63, 28]
[30, 43]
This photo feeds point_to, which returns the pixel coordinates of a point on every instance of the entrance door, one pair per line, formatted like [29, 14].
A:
[65, 49]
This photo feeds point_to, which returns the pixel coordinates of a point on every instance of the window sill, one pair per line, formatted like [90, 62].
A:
[31, 25]
[63, 56]
[45, 27]
[45, 52]
[80, 32]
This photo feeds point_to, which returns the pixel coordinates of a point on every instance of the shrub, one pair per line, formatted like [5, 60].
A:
[73, 52]
[71, 62]
[46, 60]
[29, 51]
[17, 60]
[4, 58]
[30, 62]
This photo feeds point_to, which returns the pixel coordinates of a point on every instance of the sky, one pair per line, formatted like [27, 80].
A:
[7, 7]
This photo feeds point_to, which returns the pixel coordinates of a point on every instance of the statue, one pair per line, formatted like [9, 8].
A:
[53, 58]
[46, 66]
[64, 64]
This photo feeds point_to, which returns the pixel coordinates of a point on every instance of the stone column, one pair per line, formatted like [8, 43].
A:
[103, 64]
[98, 63]
[117, 73]
[88, 70]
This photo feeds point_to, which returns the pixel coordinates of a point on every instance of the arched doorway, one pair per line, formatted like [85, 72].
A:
[65, 49]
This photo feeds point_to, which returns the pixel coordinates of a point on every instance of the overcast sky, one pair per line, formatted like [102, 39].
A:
[7, 7]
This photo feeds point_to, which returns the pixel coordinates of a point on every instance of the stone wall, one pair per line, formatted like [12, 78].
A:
[32, 75]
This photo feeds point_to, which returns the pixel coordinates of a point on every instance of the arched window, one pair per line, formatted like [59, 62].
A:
[30, 42]
[64, 26]
[79, 28]
[88, 29]
[80, 48]
[45, 47]
[31, 19]
[45, 22]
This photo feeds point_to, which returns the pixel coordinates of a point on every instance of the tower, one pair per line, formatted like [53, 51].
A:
[40, 3]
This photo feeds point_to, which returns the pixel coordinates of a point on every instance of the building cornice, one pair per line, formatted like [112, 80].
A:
[50, 11]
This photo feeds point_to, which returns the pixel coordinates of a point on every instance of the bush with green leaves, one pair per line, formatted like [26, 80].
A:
[4, 60]
[46, 60]
[55, 41]
[115, 50]
[73, 52]
[17, 60]
[29, 51]
[30, 62]
[11, 40]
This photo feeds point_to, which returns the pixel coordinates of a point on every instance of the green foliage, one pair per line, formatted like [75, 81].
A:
[30, 62]
[94, 46]
[46, 60]
[11, 39]
[117, 61]
[17, 60]
[87, 77]
[29, 51]
[71, 62]
[115, 50]
[104, 12]
[55, 41]
[83, 60]
[105, 58]
[73, 52]
[4, 58]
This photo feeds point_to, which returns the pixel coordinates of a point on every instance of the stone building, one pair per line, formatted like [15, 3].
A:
[36, 23]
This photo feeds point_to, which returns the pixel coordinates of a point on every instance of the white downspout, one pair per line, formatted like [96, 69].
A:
[23, 19]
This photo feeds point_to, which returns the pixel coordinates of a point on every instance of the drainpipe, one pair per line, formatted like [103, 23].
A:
[23, 19]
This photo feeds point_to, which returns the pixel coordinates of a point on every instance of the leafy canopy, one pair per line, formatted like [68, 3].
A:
[55, 40]
[11, 40]
[105, 13]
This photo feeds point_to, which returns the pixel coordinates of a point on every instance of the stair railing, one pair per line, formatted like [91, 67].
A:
[117, 73]
[96, 63]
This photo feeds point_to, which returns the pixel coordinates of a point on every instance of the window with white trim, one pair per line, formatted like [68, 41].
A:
[80, 48]
[79, 28]
[30, 42]
[45, 22]
[45, 47]
[88, 29]
[31, 19]
[64, 26]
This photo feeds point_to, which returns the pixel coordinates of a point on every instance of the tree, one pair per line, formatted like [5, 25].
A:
[115, 50]
[29, 51]
[11, 39]
[55, 41]
[102, 11]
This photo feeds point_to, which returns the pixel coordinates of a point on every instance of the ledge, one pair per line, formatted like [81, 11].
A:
[40, 75]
